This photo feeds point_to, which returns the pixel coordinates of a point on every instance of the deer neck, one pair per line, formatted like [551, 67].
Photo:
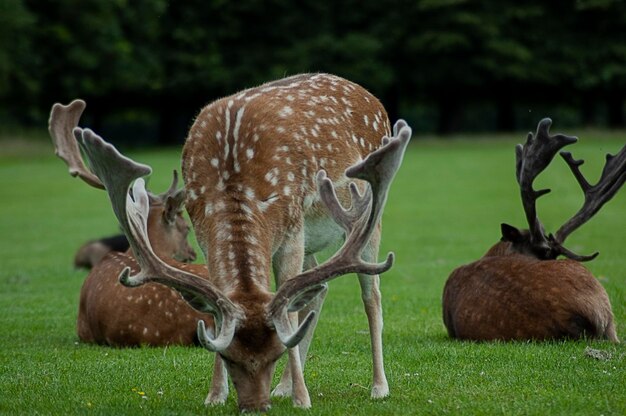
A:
[238, 252]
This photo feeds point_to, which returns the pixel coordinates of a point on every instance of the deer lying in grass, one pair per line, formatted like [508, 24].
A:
[518, 290]
[110, 313]
[62, 120]
[250, 165]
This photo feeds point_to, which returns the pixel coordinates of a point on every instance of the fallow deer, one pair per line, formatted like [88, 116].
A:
[519, 290]
[110, 313]
[250, 165]
[62, 120]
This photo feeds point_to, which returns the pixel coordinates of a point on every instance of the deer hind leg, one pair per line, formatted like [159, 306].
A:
[218, 392]
[370, 293]
[288, 262]
[284, 386]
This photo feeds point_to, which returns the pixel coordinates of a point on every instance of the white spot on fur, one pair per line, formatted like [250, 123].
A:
[249, 193]
[238, 123]
[285, 112]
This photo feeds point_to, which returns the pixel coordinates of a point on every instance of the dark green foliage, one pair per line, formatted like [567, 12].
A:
[476, 64]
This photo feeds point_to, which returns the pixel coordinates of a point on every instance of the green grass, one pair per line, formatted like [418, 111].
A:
[444, 210]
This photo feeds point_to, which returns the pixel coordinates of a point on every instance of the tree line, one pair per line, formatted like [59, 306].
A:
[145, 67]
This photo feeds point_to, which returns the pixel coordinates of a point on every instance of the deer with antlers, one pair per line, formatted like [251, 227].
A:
[250, 165]
[519, 290]
[62, 120]
[110, 313]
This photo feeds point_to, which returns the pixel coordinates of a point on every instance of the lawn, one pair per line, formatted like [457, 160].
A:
[444, 210]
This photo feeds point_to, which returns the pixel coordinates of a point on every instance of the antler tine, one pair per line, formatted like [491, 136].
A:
[117, 173]
[611, 180]
[379, 169]
[532, 159]
[343, 217]
[63, 119]
[171, 192]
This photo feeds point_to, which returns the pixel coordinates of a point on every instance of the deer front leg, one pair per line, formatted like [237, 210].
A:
[287, 262]
[370, 293]
[284, 386]
[219, 384]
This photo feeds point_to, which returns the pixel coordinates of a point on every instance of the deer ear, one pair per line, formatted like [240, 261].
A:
[510, 233]
[173, 205]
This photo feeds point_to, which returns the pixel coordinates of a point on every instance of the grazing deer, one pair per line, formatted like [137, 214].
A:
[110, 313]
[250, 165]
[518, 290]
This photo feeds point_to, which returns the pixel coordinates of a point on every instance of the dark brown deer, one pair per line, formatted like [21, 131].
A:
[250, 165]
[519, 290]
[110, 313]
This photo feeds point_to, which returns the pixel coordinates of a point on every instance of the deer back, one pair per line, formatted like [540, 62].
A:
[250, 162]
[112, 314]
[514, 296]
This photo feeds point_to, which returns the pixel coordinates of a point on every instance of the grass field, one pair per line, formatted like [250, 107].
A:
[444, 210]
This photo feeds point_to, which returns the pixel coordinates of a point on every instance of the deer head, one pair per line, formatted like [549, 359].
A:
[167, 227]
[252, 327]
[531, 159]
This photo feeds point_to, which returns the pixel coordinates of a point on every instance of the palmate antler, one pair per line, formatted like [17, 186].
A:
[612, 178]
[63, 119]
[61, 124]
[378, 169]
[532, 158]
[117, 173]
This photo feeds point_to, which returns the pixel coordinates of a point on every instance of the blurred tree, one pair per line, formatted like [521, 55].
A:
[479, 63]
[18, 82]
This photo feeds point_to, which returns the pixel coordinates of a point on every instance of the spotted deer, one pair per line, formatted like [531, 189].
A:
[110, 313]
[519, 290]
[251, 164]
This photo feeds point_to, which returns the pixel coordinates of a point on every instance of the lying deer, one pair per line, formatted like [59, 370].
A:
[519, 290]
[251, 165]
[62, 120]
[110, 313]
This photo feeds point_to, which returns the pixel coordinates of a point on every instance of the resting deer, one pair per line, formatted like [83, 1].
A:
[250, 165]
[110, 313]
[519, 290]
[62, 120]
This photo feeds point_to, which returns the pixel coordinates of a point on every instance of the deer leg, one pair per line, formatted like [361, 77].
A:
[219, 384]
[370, 293]
[287, 262]
[315, 305]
